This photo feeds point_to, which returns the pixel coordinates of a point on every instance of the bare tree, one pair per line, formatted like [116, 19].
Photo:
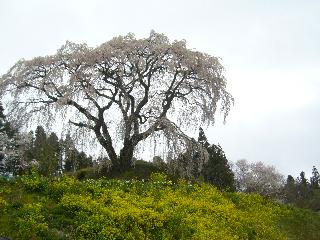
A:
[142, 86]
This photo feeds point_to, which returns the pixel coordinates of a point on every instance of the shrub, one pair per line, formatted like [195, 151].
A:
[34, 182]
[158, 177]
[31, 222]
[3, 205]
[64, 185]
[73, 203]
[86, 173]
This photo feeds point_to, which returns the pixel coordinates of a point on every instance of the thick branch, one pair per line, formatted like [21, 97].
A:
[81, 124]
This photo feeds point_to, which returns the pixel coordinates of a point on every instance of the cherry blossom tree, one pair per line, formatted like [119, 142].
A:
[259, 178]
[142, 87]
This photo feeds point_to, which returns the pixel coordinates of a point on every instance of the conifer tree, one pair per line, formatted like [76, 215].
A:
[52, 154]
[61, 156]
[290, 190]
[83, 161]
[46, 152]
[40, 143]
[302, 193]
[70, 154]
[29, 150]
[315, 179]
[303, 186]
[202, 139]
[217, 170]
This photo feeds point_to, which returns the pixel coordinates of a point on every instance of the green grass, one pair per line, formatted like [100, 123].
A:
[301, 224]
[33, 207]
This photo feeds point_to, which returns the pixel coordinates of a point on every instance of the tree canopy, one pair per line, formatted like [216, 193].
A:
[138, 86]
[259, 178]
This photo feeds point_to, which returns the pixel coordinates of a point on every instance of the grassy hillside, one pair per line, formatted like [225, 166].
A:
[33, 207]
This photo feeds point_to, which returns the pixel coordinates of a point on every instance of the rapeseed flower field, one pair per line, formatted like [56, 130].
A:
[34, 207]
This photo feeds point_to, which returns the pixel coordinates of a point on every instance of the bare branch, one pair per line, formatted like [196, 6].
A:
[81, 125]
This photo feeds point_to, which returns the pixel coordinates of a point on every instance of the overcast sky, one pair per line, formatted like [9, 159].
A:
[270, 49]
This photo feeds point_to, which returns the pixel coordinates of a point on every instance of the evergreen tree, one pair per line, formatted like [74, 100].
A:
[61, 156]
[52, 153]
[70, 154]
[39, 143]
[303, 187]
[40, 147]
[315, 179]
[217, 170]
[29, 151]
[290, 190]
[301, 193]
[2, 161]
[83, 161]
[314, 202]
[202, 139]
[46, 152]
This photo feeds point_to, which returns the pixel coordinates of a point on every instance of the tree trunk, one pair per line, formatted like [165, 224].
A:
[125, 158]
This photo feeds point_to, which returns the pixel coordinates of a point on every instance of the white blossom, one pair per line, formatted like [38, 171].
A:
[142, 85]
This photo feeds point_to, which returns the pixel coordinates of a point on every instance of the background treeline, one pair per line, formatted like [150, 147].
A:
[21, 152]
[43, 152]
[49, 155]
[303, 193]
